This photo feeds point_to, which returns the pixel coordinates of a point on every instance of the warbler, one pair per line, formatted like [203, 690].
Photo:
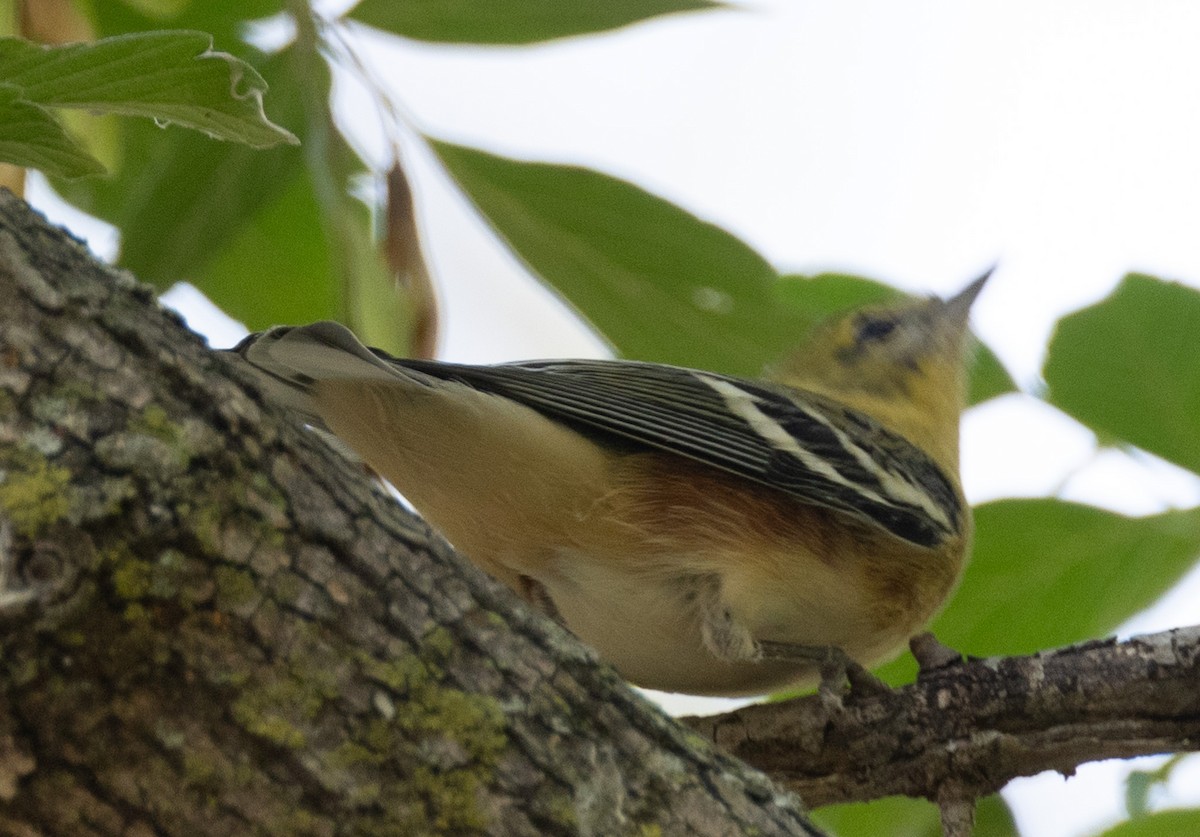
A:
[681, 522]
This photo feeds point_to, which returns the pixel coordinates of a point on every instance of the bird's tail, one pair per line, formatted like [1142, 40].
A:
[289, 360]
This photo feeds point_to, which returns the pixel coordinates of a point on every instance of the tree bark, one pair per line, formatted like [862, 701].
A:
[210, 623]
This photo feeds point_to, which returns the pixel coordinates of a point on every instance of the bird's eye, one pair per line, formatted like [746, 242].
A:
[875, 328]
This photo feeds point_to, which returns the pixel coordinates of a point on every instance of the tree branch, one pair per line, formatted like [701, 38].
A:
[963, 731]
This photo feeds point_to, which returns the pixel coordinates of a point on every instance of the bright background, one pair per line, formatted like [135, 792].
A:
[915, 143]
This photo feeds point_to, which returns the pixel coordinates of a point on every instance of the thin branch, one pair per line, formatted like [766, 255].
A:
[963, 731]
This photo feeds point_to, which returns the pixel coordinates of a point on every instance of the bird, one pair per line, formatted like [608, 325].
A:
[704, 533]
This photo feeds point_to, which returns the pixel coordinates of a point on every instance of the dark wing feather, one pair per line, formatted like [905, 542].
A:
[842, 458]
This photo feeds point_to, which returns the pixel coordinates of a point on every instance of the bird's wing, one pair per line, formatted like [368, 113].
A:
[797, 442]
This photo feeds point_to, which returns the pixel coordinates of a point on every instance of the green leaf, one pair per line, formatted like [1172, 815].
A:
[246, 227]
[656, 281]
[160, 9]
[199, 196]
[894, 816]
[897, 816]
[33, 138]
[225, 20]
[513, 21]
[989, 378]
[993, 818]
[9, 18]
[370, 302]
[269, 273]
[1128, 368]
[1162, 824]
[1032, 556]
[829, 293]
[179, 199]
[1139, 784]
[167, 76]
[826, 294]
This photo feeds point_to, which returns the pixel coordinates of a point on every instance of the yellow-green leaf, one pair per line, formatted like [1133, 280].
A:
[1129, 367]
[513, 21]
[658, 282]
[171, 77]
[1162, 824]
[33, 138]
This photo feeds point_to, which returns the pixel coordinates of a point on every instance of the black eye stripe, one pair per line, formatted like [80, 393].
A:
[875, 328]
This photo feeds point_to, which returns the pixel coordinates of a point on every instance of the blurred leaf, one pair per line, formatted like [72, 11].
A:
[899, 816]
[8, 18]
[658, 282]
[167, 76]
[1140, 783]
[1137, 792]
[161, 9]
[989, 378]
[1033, 557]
[993, 818]
[513, 21]
[828, 293]
[1129, 368]
[371, 302]
[376, 309]
[198, 196]
[32, 137]
[267, 274]
[825, 294]
[270, 236]
[179, 198]
[1162, 824]
[894, 816]
[223, 19]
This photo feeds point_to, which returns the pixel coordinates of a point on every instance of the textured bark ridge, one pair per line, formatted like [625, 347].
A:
[964, 731]
[211, 624]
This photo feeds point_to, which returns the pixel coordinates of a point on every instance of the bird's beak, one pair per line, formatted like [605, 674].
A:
[960, 303]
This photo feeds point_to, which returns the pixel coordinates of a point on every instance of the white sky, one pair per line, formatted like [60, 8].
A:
[915, 143]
